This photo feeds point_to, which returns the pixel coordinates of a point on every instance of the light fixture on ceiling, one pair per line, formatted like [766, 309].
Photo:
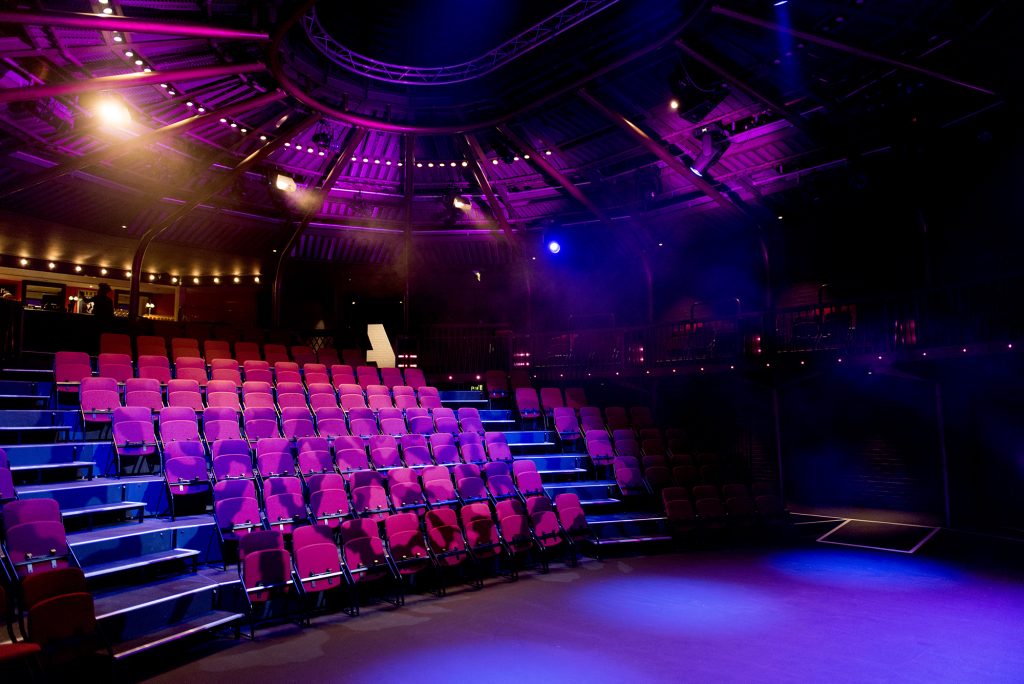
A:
[713, 144]
[284, 183]
[554, 247]
[113, 111]
[324, 136]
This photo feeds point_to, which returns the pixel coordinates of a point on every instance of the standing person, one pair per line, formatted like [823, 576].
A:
[103, 305]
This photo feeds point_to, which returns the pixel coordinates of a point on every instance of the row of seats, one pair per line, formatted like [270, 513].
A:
[152, 345]
[71, 367]
[711, 508]
[100, 397]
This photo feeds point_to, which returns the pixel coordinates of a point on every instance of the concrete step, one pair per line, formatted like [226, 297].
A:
[128, 612]
[629, 527]
[109, 513]
[145, 489]
[153, 535]
[137, 562]
[85, 468]
[176, 632]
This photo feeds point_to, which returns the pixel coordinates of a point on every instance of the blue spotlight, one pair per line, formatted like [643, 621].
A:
[554, 247]
[780, 3]
[696, 172]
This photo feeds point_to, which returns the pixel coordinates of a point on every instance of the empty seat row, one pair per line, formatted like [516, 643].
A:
[152, 345]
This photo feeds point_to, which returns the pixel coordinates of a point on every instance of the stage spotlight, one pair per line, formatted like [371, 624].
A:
[460, 202]
[113, 112]
[554, 247]
[713, 144]
[284, 183]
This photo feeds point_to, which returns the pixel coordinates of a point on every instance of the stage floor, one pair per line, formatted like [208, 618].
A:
[813, 613]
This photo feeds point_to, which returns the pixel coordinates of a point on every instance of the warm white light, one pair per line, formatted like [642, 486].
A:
[452, 164]
[103, 271]
[287, 144]
[285, 183]
[114, 112]
[516, 158]
[163, 85]
[52, 265]
[309, 149]
[108, 10]
[127, 274]
[526, 156]
[147, 70]
[118, 39]
[127, 53]
[24, 262]
[256, 280]
[673, 104]
[174, 280]
[465, 163]
[366, 160]
[243, 130]
[236, 279]
[152, 277]
[263, 137]
[139, 62]
[195, 280]
[234, 125]
[547, 152]
[171, 92]
[387, 163]
[216, 280]
[321, 153]
[78, 269]
[494, 161]
[189, 103]
[201, 109]
[419, 165]
[430, 165]
[223, 120]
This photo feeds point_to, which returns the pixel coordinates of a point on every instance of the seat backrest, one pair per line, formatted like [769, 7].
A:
[30, 510]
[40, 586]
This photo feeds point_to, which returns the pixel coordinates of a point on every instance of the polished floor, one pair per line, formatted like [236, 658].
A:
[812, 613]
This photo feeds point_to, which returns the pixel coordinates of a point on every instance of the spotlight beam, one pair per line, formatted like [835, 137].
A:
[213, 188]
[117, 23]
[849, 49]
[125, 81]
[149, 138]
[327, 182]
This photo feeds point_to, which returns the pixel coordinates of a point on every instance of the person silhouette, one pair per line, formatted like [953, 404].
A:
[102, 304]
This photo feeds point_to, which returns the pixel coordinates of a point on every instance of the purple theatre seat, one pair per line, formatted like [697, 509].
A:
[144, 392]
[317, 562]
[156, 367]
[389, 377]
[370, 501]
[327, 356]
[469, 420]
[330, 507]
[68, 370]
[98, 397]
[233, 466]
[274, 458]
[321, 395]
[220, 423]
[515, 529]
[496, 383]
[185, 392]
[414, 377]
[186, 476]
[550, 399]
[497, 447]
[287, 371]
[440, 493]
[330, 423]
[178, 424]
[481, 531]
[615, 418]
[408, 496]
[385, 457]
[117, 366]
[133, 435]
[445, 420]
[115, 343]
[266, 573]
[315, 462]
[231, 489]
[315, 374]
[223, 393]
[191, 368]
[599, 448]
[214, 350]
[393, 426]
[446, 541]
[367, 375]
[285, 512]
[591, 420]
[151, 345]
[185, 346]
[678, 509]
[406, 544]
[297, 422]
[37, 546]
[527, 403]
[257, 394]
[566, 424]
[575, 398]
[260, 423]
[275, 354]
[499, 481]
[302, 354]
[257, 371]
[342, 374]
[415, 452]
[572, 518]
